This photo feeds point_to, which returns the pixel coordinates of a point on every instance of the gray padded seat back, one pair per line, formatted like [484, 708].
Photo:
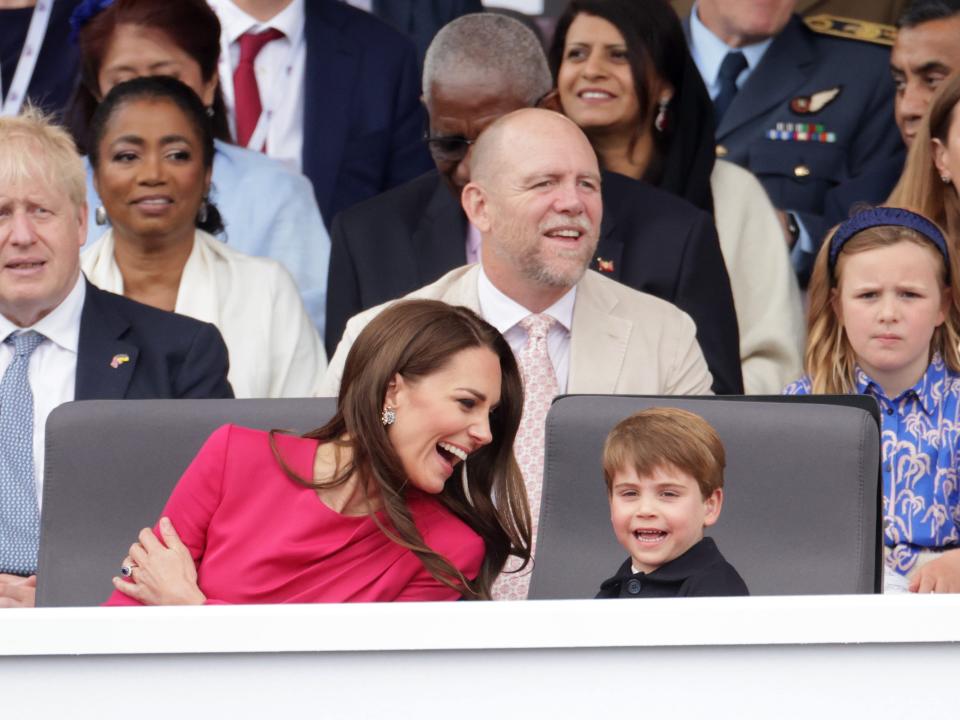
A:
[800, 507]
[110, 467]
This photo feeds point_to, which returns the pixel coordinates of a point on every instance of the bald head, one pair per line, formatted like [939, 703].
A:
[509, 137]
[534, 195]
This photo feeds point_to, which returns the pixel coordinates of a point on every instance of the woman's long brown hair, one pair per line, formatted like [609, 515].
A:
[416, 338]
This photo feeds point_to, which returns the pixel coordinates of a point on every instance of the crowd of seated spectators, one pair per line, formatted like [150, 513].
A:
[470, 212]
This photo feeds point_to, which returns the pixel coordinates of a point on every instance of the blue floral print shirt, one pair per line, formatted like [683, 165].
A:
[920, 448]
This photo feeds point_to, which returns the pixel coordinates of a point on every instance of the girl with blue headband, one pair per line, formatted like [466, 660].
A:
[883, 320]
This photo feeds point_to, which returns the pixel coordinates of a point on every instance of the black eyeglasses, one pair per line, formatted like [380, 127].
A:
[448, 148]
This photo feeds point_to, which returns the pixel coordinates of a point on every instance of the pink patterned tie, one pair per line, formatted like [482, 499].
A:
[539, 389]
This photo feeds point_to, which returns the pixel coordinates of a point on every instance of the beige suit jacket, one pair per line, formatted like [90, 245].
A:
[622, 342]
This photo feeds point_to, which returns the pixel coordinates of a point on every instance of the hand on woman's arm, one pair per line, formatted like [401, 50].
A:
[17, 591]
[163, 570]
[939, 576]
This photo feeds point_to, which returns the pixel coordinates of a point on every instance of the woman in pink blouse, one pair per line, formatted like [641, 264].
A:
[375, 505]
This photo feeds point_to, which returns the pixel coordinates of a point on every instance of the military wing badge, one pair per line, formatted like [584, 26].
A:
[810, 104]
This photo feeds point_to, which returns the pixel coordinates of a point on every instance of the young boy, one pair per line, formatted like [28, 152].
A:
[664, 474]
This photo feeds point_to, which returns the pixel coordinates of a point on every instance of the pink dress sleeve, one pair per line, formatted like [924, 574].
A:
[193, 501]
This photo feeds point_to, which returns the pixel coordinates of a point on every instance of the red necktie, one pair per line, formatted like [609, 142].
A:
[247, 106]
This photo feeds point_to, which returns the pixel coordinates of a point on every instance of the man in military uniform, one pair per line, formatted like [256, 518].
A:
[926, 53]
[809, 112]
[875, 11]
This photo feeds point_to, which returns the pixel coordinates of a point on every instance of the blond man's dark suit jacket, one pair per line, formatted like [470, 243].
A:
[131, 350]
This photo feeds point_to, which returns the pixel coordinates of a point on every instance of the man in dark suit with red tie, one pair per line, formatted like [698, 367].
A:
[327, 88]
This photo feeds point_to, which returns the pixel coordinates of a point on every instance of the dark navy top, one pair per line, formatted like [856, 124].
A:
[701, 571]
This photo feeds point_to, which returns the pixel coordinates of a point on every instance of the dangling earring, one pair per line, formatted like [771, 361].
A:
[202, 212]
[388, 416]
[466, 484]
[209, 111]
[100, 215]
[660, 121]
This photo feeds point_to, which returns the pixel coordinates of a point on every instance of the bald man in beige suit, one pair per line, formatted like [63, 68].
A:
[534, 198]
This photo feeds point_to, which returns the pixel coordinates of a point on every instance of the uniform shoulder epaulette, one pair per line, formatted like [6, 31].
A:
[852, 29]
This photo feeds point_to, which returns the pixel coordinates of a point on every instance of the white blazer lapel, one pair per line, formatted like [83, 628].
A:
[199, 294]
[598, 340]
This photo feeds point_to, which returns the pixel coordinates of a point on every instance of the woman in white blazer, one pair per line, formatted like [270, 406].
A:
[151, 148]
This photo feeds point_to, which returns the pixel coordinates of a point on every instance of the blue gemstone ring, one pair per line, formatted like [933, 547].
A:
[127, 570]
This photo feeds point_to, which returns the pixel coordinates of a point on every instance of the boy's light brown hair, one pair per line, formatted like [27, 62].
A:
[666, 437]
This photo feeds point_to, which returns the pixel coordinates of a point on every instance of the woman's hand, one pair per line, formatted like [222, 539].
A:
[938, 576]
[16, 591]
[162, 573]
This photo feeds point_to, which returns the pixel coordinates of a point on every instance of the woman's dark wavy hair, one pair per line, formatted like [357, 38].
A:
[189, 24]
[152, 89]
[686, 150]
[414, 339]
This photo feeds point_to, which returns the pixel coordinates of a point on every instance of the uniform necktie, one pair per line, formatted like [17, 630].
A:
[19, 514]
[731, 67]
[539, 389]
[247, 107]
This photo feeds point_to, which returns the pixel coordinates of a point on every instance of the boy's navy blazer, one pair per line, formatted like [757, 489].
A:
[650, 240]
[363, 123]
[168, 355]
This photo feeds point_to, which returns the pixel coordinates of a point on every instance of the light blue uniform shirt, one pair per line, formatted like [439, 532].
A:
[708, 52]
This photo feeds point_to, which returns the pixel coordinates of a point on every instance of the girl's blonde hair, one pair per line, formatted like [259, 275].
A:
[829, 360]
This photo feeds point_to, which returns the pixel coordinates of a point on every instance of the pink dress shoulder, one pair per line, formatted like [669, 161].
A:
[259, 537]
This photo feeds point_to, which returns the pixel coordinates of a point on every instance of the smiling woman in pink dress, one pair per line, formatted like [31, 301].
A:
[375, 505]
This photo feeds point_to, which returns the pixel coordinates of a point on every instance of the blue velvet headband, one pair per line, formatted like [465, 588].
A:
[877, 217]
[84, 13]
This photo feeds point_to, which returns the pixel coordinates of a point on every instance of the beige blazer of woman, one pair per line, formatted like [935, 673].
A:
[765, 293]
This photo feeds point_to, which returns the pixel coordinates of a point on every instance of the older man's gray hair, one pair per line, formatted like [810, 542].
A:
[488, 43]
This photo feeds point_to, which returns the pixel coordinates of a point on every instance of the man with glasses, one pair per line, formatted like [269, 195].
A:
[479, 68]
